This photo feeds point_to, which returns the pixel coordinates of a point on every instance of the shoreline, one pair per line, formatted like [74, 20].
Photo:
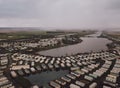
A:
[57, 47]
[60, 66]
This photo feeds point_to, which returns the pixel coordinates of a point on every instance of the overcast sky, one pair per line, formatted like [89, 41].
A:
[60, 13]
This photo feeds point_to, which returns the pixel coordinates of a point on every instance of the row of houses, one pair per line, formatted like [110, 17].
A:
[4, 81]
[84, 69]
[25, 44]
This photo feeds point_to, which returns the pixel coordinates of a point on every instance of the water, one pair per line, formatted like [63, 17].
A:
[94, 35]
[91, 43]
[44, 78]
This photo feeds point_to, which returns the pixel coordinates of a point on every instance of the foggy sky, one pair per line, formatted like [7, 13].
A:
[60, 13]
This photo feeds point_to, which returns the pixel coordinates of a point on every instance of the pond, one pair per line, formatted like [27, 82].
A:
[89, 43]
[44, 78]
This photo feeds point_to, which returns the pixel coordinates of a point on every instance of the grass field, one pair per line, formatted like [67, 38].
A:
[41, 34]
[114, 34]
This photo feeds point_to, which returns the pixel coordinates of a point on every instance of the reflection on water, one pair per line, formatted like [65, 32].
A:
[91, 43]
[95, 35]
[87, 45]
[44, 78]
